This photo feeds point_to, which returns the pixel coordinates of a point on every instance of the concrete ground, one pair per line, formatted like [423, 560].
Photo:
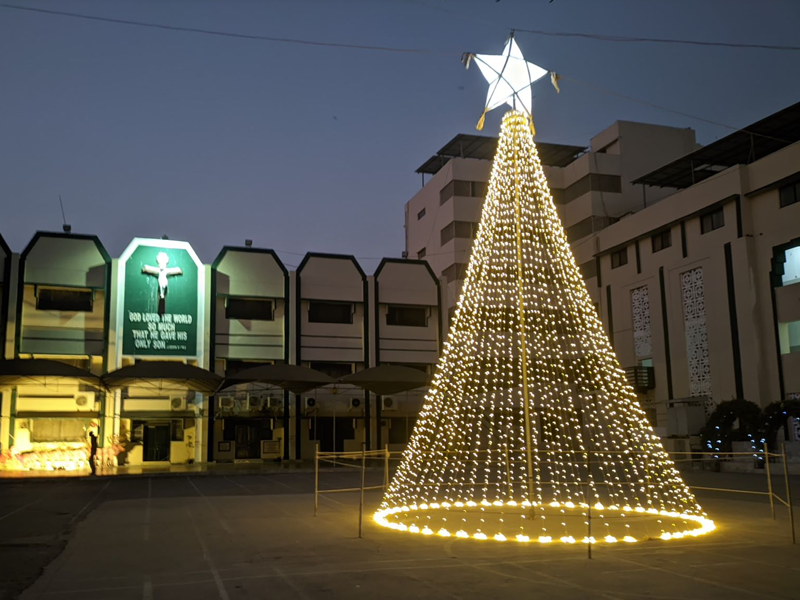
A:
[246, 536]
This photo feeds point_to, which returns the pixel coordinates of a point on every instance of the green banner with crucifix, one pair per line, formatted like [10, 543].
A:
[160, 303]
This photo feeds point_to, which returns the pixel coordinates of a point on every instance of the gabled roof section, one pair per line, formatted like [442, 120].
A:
[67, 236]
[742, 147]
[349, 257]
[248, 249]
[483, 148]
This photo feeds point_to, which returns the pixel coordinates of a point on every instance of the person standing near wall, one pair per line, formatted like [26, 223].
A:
[93, 452]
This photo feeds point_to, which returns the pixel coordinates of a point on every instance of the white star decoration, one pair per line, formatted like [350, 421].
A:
[510, 79]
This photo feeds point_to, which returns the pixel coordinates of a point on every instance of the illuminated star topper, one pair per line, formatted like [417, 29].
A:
[510, 79]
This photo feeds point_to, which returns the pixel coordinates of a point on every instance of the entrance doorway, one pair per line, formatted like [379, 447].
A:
[247, 434]
[156, 442]
[248, 438]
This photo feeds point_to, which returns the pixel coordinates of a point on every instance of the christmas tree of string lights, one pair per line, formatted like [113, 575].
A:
[530, 430]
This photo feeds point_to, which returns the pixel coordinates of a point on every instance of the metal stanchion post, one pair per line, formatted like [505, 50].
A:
[508, 475]
[789, 495]
[363, 476]
[769, 480]
[589, 509]
[316, 478]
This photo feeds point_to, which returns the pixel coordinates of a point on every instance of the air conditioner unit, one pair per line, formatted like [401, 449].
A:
[227, 402]
[311, 402]
[388, 404]
[84, 401]
[273, 402]
[355, 403]
[255, 401]
[177, 403]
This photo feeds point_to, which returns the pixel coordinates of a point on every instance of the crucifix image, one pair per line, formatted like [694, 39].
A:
[163, 272]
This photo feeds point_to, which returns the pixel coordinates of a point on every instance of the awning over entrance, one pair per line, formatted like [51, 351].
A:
[294, 378]
[388, 379]
[164, 374]
[40, 371]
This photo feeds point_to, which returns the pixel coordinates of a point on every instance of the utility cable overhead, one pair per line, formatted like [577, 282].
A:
[265, 38]
[245, 36]
[629, 40]
[427, 51]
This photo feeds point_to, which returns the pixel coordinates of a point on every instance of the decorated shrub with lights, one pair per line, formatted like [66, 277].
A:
[530, 430]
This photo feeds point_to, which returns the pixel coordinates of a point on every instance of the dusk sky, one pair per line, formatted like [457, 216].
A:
[213, 140]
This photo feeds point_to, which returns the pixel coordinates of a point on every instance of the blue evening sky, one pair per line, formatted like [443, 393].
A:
[213, 140]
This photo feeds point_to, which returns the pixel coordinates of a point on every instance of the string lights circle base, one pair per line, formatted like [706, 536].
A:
[566, 523]
[530, 431]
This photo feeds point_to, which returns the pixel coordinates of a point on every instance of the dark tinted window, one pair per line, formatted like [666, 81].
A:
[67, 300]
[711, 221]
[421, 253]
[455, 271]
[619, 258]
[662, 240]
[407, 316]
[790, 194]
[256, 309]
[330, 312]
[420, 214]
[589, 269]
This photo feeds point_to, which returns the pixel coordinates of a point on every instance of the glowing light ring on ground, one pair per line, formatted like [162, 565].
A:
[380, 517]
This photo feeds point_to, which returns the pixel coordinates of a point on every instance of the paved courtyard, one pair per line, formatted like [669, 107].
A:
[254, 536]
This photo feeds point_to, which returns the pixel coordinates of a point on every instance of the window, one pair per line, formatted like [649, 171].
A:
[58, 430]
[420, 214]
[789, 334]
[662, 240]
[330, 312]
[458, 229]
[333, 369]
[454, 272]
[619, 258]
[589, 269]
[790, 194]
[558, 195]
[255, 309]
[176, 430]
[588, 226]
[467, 189]
[407, 316]
[711, 221]
[593, 182]
[447, 233]
[64, 299]
[791, 268]
[421, 253]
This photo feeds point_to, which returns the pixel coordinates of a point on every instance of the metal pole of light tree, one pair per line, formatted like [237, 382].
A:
[769, 481]
[386, 468]
[363, 477]
[789, 495]
[316, 478]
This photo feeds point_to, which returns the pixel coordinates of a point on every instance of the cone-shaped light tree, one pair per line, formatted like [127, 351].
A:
[530, 430]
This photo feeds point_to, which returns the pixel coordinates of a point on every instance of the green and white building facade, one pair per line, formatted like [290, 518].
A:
[65, 299]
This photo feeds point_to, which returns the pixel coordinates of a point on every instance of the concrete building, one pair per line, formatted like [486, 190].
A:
[699, 292]
[163, 329]
[593, 187]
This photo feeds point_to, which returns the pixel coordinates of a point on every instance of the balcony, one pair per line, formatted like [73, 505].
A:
[641, 378]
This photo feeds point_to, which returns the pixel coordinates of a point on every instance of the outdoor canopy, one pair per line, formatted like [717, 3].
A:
[388, 379]
[164, 374]
[40, 371]
[294, 378]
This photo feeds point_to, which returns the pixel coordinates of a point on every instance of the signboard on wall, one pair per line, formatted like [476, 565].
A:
[160, 299]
